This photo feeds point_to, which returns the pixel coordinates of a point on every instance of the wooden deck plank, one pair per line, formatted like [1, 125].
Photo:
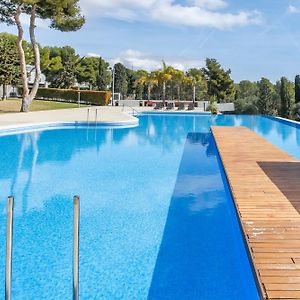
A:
[264, 181]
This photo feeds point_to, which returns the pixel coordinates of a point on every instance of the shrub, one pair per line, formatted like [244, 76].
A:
[71, 95]
[212, 106]
[296, 112]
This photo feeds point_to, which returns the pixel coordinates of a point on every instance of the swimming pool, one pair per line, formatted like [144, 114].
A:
[157, 218]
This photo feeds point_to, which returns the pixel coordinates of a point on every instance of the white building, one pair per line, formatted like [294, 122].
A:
[12, 91]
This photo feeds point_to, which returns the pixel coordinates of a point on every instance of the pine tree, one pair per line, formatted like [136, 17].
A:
[9, 60]
[286, 97]
[219, 82]
[63, 16]
[265, 103]
[297, 89]
[121, 83]
[103, 78]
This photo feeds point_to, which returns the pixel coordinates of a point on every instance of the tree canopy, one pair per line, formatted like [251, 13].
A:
[219, 82]
[63, 15]
[10, 69]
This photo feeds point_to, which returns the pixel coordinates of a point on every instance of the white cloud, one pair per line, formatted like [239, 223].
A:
[195, 13]
[293, 9]
[211, 4]
[136, 60]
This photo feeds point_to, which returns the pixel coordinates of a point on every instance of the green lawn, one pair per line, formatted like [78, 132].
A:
[13, 105]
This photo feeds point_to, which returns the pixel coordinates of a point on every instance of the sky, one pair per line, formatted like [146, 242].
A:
[253, 38]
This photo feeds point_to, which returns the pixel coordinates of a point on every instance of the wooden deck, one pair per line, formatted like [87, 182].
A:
[265, 183]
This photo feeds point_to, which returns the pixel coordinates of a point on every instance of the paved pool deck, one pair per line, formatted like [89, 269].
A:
[105, 115]
[101, 114]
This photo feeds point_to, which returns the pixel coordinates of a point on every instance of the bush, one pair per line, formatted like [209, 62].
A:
[296, 112]
[212, 106]
[246, 106]
[71, 95]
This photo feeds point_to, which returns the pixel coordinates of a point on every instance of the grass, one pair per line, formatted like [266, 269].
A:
[14, 105]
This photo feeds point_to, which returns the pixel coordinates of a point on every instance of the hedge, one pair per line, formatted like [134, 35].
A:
[87, 97]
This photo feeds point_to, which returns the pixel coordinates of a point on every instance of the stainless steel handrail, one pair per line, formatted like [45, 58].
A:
[88, 115]
[76, 248]
[96, 115]
[133, 109]
[9, 233]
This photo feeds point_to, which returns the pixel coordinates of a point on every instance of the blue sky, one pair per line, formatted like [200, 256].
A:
[254, 38]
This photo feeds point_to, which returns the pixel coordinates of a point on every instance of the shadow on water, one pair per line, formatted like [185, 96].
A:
[202, 255]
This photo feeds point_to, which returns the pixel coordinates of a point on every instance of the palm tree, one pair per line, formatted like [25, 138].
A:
[146, 79]
[193, 81]
[163, 76]
[179, 78]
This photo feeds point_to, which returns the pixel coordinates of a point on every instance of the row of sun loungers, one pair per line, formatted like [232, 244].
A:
[171, 106]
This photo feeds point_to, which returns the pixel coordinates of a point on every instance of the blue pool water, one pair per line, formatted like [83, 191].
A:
[157, 218]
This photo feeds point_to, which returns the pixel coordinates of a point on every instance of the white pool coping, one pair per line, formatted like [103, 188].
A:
[109, 116]
[116, 116]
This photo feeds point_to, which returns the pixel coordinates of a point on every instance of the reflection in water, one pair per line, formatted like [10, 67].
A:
[192, 262]
[24, 152]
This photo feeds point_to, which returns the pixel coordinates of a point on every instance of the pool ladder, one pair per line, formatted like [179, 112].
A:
[89, 113]
[9, 235]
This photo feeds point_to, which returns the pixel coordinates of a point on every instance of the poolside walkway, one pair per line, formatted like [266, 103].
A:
[105, 114]
[265, 183]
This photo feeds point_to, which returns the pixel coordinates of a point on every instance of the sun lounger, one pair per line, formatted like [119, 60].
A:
[158, 105]
[191, 106]
[170, 106]
[180, 106]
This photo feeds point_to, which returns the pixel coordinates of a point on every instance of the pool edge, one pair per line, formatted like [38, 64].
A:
[260, 288]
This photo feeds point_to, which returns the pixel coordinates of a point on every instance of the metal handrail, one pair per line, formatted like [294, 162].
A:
[96, 115]
[76, 248]
[88, 115]
[133, 109]
[9, 233]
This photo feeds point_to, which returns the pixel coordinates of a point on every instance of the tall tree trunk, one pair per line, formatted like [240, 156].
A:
[4, 91]
[194, 94]
[37, 58]
[28, 96]
[178, 92]
[149, 92]
[164, 93]
[22, 56]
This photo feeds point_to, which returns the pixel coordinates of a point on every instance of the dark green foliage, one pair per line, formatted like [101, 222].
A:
[212, 105]
[63, 15]
[12, 39]
[296, 112]
[9, 62]
[63, 70]
[219, 82]
[265, 103]
[103, 77]
[246, 97]
[297, 89]
[87, 71]
[70, 95]
[286, 98]
[121, 83]
[131, 86]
